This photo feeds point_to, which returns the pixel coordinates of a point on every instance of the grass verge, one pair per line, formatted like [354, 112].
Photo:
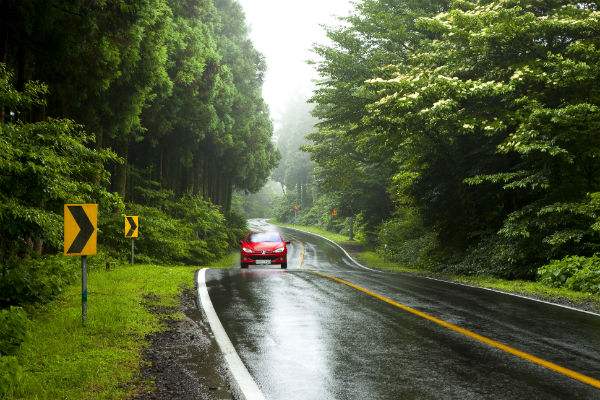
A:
[336, 237]
[61, 359]
[537, 290]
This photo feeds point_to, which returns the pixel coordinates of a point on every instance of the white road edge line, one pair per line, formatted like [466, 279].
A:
[456, 283]
[247, 387]
[335, 244]
[514, 295]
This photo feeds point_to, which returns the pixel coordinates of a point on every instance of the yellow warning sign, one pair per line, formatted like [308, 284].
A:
[132, 227]
[81, 229]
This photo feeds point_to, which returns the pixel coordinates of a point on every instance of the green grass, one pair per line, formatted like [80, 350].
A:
[61, 359]
[375, 260]
[336, 237]
[534, 289]
[228, 261]
[526, 288]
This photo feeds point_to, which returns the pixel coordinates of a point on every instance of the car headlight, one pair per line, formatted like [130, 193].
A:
[280, 250]
[246, 250]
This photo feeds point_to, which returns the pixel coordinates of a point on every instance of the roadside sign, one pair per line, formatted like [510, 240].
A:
[334, 212]
[132, 227]
[81, 229]
[81, 234]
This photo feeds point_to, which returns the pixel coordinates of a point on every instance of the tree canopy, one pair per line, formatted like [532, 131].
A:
[478, 117]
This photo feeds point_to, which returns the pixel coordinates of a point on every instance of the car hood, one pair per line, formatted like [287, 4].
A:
[264, 246]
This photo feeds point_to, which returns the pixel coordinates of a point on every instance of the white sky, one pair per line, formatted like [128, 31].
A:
[284, 31]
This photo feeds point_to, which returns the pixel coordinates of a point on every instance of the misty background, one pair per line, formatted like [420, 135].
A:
[285, 32]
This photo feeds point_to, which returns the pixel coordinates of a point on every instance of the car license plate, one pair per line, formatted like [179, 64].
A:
[263, 262]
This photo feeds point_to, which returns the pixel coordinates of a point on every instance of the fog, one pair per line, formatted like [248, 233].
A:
[284, 31]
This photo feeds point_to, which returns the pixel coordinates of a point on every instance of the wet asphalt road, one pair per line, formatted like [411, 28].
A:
[302, 336]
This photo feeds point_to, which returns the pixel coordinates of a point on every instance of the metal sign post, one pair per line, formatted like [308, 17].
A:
[132, 251]
[83, 289]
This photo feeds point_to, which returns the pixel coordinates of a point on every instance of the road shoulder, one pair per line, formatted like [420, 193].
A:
[534, 290]
[132, 311]
[183, 362]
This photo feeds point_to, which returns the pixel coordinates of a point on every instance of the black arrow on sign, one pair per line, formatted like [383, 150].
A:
[86, 229]
[132, 226]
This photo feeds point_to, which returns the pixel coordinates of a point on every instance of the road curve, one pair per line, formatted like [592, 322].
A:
[303, 336]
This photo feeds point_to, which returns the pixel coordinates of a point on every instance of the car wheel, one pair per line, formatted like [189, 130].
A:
[244, 265]
[284, 265]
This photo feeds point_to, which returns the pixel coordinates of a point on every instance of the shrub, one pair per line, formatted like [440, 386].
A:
[494, 256]
[187, 230]
[35, 280]
[586, 280]
[404, 240]
[237, 228]
[13, 328]
[557, 272]
[573, 272]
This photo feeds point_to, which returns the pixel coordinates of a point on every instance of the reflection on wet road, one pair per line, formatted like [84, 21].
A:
[305, 337]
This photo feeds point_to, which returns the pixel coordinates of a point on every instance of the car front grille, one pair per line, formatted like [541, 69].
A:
[261, 256]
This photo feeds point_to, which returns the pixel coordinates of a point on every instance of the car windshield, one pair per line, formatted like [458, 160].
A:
[264, 237]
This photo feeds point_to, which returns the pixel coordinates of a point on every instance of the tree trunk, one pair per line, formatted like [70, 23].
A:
[120, 179]
[228, 196]
[160, 167]
[351, 228]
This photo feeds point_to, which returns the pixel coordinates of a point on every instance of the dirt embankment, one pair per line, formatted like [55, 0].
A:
[184, 361]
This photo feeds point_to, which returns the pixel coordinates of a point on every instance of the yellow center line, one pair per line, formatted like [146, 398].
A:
[480, 338]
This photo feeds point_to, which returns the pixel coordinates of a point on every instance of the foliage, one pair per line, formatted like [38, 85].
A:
[295, 170]
[43, 165]
[480, 117]
[156, 103]
[10, 373]
[186, 229]
[573, 272]
[210, 133]
[36, 279]
[13, 329]
[406, 241]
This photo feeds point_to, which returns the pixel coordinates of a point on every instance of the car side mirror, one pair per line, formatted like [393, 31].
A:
[287, 242]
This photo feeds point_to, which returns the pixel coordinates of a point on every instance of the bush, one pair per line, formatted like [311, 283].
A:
[494, 256]
[186, 230]
[237, 228]
[557, 272]
[13, 328]
[35, 280]
[586, 280]
[573, 272]
[403, 239]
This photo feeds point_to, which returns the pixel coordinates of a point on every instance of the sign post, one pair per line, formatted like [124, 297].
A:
[83, 289]
[80, 239]
[132, 230]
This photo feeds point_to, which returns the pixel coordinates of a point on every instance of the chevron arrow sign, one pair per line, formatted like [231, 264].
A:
[80, 228]
[132, 228]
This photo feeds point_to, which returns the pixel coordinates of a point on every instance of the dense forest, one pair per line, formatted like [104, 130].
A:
[463, 136]
[149, 107]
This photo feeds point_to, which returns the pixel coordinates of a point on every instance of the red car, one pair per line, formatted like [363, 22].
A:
[264, 248]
